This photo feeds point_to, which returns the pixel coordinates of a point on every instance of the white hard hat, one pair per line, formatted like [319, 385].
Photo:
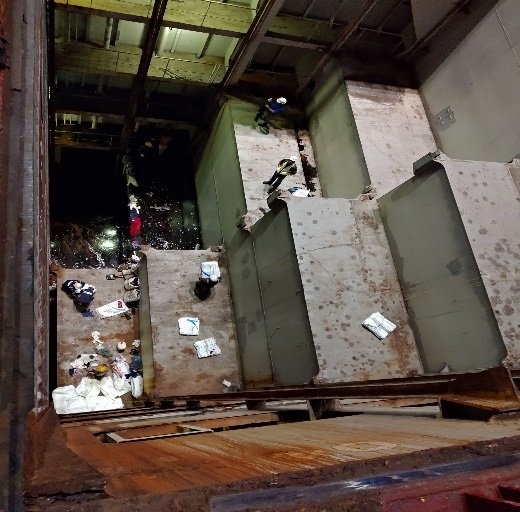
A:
[78, 285]
[282, 100]
[293, 158]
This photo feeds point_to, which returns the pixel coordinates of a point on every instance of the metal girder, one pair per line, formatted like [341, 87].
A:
[345, 35]
[140, 78]
[249, 44]
[420, 43]
[494, 384]
[175, 22]
[296, 43]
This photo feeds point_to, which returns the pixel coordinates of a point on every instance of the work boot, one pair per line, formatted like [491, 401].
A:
[265, 182]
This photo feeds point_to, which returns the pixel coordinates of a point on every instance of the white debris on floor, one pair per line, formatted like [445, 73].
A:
[378, 325]
[189, 326]
[207, 348]
[112, 309]
[85, 361]
[86, 397]
[210, 270]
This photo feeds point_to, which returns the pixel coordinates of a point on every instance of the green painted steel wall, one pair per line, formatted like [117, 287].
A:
[337, 149]
[448, 307]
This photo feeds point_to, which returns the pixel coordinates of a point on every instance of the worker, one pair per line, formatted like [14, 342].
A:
[145, 150]
[271, 106]
[284, 167]
[81, 293]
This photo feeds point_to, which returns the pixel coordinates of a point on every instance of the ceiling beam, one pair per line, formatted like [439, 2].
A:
[421, 43]
[140, 78]
[296, 43]
[344, 36]
[234, 24]
[249, 44]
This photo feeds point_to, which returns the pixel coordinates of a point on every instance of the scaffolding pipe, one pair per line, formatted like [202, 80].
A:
[108, 33]
[161, 42]
[345, 35]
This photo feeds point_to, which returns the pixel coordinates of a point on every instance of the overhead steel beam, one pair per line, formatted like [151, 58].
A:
[345, 35]
[420, 43]
[249, 44]
[309, 8]
[240, 61]
[152, 34]
[296, 43]
[390, 12]
[229, 30]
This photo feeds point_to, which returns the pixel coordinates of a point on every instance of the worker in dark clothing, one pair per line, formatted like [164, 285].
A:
[272, 106]
[81, 293]
[284, 167]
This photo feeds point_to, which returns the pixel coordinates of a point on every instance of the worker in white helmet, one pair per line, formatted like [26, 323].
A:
[272, 106]
[285, 167]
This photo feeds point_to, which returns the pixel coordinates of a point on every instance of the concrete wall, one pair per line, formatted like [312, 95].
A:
[96, 29]
[177, 369]
[489, 207]
[479, 80]
[347, 274]
[130, 32]
[448, 306]
[393, 130]
[339, 156]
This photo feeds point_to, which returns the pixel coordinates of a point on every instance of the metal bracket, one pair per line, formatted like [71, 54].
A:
[445, 117]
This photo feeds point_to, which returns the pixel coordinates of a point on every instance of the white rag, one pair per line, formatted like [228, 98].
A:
[378, 325]
[114, 308]
[207, 347]
[67, 401]
[210, 270]
[85, 361]
[189, 326]
[301, 192]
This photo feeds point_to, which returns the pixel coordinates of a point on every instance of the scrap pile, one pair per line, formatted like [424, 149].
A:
[104, 379]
